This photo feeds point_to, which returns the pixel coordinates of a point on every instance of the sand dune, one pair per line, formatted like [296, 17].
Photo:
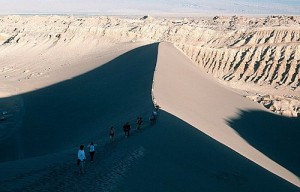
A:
[56, 118]
[77, 107]
[195, 97]
[64, 80]
[172, 153]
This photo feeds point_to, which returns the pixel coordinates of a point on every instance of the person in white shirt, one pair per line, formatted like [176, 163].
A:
[92, 150]
[81, 158]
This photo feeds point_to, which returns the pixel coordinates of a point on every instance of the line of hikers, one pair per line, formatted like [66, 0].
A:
[81, 158]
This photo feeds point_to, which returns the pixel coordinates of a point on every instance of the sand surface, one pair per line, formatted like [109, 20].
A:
[65, 80]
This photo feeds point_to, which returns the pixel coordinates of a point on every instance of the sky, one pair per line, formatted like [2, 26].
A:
[149, 6]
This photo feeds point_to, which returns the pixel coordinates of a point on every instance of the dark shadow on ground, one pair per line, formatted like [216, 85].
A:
[178, 157]
[83, 108]
[276, 136]
[169, 155]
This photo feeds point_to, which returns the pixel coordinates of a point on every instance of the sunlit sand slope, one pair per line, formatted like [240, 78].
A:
[194, 97]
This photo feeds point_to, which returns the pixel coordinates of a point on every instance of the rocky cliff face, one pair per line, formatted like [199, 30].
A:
[258, 55]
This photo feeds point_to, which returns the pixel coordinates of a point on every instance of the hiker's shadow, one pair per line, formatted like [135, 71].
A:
[276, 136]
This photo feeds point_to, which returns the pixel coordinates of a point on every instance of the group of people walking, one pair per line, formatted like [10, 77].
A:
[81, 156]
[126, 128]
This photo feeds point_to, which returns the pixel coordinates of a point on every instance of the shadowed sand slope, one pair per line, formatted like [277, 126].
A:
[178, 157]
[77, 110]
[170, 155]
[274, 135]
[194, 97]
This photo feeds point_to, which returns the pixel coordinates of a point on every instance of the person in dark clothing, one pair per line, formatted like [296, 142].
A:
[157, 107]
[139, 123]
[152, 119]
[126, 129]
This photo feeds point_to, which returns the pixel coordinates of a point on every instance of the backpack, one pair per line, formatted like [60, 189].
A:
[92, 148]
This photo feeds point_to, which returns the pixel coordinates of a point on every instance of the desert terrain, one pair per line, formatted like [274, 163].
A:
[256, 55]
[228, 88]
